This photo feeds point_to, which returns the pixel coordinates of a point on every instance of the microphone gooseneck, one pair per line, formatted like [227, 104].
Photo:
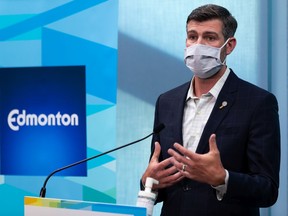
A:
[156, 130]
[159, 128]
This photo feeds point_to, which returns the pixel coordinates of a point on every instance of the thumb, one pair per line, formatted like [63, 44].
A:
[212, 143]
[156, 153]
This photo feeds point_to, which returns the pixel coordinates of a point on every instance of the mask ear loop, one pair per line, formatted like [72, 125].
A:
[225, 43]
[224, 62]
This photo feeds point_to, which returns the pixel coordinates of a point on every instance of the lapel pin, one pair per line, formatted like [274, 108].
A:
[224, 104]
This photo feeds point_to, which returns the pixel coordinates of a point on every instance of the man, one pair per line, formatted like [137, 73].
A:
[219, 153]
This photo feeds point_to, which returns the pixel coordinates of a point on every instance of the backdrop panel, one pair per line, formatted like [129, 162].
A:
[151, 49]
[46, 33]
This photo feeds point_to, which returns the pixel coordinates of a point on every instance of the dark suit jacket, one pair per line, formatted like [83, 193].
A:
[248, 138]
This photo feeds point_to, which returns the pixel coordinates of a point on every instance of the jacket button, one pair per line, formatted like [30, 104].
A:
[186, 187]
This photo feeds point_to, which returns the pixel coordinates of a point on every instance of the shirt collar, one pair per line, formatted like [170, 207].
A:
[214, 91]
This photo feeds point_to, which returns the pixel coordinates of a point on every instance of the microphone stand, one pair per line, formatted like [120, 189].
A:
[43, 189]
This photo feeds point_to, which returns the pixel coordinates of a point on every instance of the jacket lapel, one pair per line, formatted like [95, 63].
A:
[222, 106]
[180, 104]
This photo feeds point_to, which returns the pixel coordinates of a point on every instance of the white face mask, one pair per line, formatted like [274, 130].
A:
[204, 61]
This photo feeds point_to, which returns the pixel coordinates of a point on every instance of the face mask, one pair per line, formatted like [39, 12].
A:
[204, 61]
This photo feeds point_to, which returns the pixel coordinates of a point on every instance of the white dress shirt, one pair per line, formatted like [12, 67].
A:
[196, 114]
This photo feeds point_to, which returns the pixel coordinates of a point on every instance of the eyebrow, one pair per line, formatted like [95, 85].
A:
[204, 33]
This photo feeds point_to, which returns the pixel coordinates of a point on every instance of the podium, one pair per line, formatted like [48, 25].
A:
[35, 206]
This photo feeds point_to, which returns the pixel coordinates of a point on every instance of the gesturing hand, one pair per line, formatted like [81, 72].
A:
[206, 168]
[166, 176]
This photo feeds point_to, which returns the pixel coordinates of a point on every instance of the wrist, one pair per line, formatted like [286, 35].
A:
[220, 179]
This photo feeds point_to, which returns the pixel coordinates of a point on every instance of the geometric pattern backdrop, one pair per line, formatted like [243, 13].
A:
[152, 44]
[67, 33]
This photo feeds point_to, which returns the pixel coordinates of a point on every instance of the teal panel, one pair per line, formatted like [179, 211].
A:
[12, 200]
[8, 20]
[92, 109]
[90, 194]
[98, 161]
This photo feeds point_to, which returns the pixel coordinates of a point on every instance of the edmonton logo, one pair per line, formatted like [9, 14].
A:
[16, 119]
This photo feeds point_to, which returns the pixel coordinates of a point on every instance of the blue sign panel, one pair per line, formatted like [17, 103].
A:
[42, 120]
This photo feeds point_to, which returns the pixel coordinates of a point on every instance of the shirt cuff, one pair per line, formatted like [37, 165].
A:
[221, 189]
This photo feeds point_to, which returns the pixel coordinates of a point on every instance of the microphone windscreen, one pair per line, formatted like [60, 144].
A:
[159, 128]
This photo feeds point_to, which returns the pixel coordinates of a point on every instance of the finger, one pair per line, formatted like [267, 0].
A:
[212, 143]
[169, 181]
[173, 178]
[187, 154]
[156, 152]
[174, 154]
[178, 147]
[178, 159]
[181, 149]
[163, 164]
[177, 162]
[171, 171]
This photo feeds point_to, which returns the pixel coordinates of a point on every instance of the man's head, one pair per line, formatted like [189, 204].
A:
[212, 12]
[210, 38]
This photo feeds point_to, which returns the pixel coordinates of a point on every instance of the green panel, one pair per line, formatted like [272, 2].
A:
[90, 194]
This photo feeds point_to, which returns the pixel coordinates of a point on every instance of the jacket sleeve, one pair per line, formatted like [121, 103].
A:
[259, 186]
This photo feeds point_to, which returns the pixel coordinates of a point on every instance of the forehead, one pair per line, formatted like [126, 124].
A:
[214, 26]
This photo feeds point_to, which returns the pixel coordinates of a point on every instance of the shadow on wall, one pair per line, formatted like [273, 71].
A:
[145, 72]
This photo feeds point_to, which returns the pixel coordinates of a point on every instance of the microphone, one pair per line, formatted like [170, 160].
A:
[156, 130]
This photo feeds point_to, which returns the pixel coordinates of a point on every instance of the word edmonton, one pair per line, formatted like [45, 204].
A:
[16, 120]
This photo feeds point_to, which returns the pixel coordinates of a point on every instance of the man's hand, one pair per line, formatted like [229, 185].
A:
[206, 168]
[159, 171]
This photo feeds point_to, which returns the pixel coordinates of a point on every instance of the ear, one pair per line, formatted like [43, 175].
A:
[231, 45]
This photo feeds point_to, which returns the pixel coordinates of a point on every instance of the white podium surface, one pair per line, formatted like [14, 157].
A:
[35, 206]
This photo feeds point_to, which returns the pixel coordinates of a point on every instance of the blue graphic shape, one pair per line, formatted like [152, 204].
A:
[20, 53]
[90, 19]
[101, 61]
[8, 20]
[95, 104]
[46, 18]
[99, 178]
[98, 161]
[42, 91]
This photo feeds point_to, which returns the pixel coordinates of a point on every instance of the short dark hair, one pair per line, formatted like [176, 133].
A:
[211, 11]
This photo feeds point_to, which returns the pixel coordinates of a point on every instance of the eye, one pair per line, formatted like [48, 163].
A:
[210, 38]
[192, 37]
